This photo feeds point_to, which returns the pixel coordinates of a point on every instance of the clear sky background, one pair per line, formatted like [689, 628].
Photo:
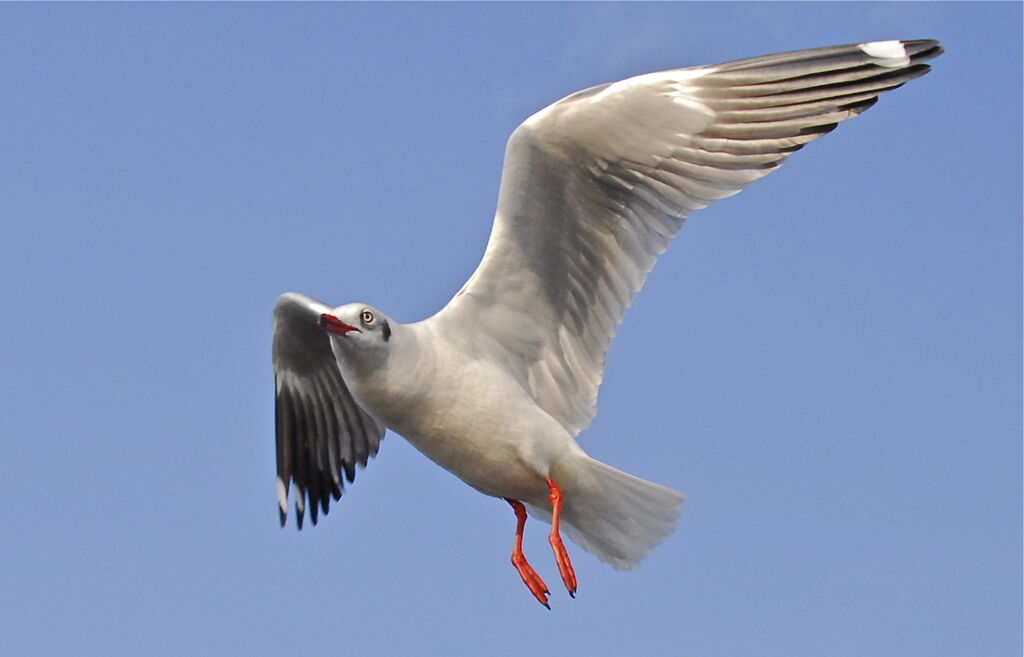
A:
[828, 365]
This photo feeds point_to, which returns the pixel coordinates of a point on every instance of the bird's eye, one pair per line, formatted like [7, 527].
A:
[366, 317]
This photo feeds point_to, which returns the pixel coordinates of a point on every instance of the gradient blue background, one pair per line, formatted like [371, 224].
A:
[828, 365]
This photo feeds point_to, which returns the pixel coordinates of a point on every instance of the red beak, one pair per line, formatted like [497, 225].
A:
[335, 325]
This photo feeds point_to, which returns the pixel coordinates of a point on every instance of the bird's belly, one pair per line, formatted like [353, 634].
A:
[501, 449]
[472, 419]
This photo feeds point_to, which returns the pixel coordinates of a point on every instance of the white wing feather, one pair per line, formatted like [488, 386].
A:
[596, 185]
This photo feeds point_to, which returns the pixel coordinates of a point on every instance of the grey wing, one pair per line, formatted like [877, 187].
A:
[322, 433]
[596, 185]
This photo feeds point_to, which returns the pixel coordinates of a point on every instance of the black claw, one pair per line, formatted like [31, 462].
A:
[572, 595]
[546, 605]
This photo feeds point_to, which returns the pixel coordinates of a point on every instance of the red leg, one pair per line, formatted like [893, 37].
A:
[561, 555]
[530, 577]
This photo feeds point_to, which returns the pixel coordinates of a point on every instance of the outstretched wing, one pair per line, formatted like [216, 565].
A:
[322, 433]
[595, 186]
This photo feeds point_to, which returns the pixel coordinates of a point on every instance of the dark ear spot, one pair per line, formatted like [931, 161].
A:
[386, 330]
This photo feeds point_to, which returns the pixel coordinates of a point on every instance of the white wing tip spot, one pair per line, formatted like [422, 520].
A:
[890, 54]
[282, 495]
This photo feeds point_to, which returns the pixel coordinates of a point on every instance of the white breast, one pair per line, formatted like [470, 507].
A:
[468, 416]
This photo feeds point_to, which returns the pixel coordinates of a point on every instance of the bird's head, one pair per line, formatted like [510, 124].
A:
[357, 328]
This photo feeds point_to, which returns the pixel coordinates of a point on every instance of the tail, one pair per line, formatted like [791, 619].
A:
[615, 516]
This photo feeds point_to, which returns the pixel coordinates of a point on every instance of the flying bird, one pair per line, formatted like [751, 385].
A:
[496, 386]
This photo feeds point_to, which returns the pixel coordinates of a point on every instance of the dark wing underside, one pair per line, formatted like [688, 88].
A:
[322, 433]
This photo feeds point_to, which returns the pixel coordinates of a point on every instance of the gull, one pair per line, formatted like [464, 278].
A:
[496, 386]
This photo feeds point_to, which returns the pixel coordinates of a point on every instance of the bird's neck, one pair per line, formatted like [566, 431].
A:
[390, 377]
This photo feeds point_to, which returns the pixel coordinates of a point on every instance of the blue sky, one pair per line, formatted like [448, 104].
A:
[828, 365]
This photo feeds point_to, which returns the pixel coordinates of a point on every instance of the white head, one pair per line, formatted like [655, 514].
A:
[359, 333]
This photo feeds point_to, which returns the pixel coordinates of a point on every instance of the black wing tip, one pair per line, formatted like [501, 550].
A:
[916, 47]
[909, 73]
[319, 506]
[860, 106]
[318, 502]
[819, 130]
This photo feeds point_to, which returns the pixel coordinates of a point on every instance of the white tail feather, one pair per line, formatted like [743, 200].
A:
[615, 516]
